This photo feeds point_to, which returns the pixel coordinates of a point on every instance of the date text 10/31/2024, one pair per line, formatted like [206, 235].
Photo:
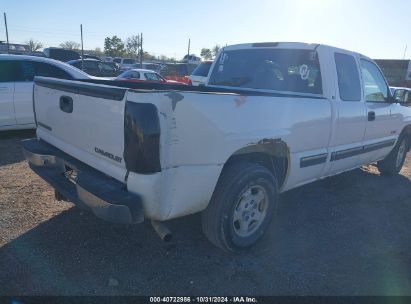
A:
[203, 300]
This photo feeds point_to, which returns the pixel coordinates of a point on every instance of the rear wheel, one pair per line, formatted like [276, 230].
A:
[242, 206]
[393, 163]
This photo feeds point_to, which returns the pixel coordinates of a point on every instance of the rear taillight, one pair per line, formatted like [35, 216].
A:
[141, 138]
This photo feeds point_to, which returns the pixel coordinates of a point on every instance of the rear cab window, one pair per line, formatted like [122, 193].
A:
[293, 70]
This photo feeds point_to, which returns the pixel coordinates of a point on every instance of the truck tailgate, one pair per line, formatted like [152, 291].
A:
[84, 120]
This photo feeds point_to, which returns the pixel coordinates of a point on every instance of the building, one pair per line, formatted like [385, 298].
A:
[397, 71]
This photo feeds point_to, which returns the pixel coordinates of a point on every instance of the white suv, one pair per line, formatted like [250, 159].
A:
[199, 75]
[16, 86]
[125, 63]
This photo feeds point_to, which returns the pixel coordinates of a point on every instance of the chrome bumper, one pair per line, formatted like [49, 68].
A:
[83, 185]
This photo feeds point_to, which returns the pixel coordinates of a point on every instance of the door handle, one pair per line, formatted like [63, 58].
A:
[371, 116]
[66, 104]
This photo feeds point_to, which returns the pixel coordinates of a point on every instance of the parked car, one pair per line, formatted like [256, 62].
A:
[177, 71]
[273, 116]
[143, 75]
[191, 59]
[146, 65]
[61, 54]
[125, 63]
[88, 56]
[200, 73]
[16, 86]
[402, 95]
[95, 67]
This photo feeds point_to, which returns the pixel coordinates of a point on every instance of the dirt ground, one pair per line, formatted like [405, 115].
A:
[345, 235]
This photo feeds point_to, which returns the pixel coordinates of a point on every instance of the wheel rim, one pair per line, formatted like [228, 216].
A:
[250, 210]
[401, 153]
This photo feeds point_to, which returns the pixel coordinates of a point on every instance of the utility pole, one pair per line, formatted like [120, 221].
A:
[141, 50]
[405, 51]
[188, 52]
[7, 33]
[82, 50]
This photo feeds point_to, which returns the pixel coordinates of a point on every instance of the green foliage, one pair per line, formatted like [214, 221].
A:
[133, 45]
[215, 50]
[206, 54]
[114, 46]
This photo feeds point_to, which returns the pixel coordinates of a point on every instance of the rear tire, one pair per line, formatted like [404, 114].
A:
[394, 161]
[242, 206]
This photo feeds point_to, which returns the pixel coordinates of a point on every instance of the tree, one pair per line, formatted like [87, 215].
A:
[98, 51]
[113, 46]
[133, 45]
[70, 45]
[215, 50]
[34, 45]
[206, 54]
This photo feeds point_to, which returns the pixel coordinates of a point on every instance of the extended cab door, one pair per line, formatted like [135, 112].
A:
[381, 131]
[350, 114]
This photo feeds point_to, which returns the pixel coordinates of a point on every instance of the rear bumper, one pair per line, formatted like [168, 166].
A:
[86, 187]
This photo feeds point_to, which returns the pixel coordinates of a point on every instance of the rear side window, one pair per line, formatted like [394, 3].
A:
[269, 69]
[8, 71]
[48, 70]
[202, 69]
[348, 77]
[131, 75]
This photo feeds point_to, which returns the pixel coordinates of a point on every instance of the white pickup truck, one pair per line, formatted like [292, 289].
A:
[272, 117]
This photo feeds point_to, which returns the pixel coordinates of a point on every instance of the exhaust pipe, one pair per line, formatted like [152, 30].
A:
[163, 232]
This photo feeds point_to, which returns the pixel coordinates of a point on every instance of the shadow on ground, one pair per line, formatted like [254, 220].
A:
[348, 234]
[10, 151]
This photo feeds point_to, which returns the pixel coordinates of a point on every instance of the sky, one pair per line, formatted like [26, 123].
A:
[376, 28]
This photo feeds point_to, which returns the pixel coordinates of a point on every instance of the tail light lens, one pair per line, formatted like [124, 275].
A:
[141, 138]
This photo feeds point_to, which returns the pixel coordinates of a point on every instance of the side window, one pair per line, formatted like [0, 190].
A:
[8, 71]
[106, 67]
[152, 77]
[90, 65]
[48, 70]
[26, 71]
[134, 75]
[348, 77]
[375, 87]
[399, 95]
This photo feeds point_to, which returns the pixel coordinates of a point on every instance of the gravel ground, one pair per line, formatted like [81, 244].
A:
[345, 235]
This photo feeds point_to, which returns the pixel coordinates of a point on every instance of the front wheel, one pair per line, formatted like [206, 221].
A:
[242, 206]
[393, 163]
